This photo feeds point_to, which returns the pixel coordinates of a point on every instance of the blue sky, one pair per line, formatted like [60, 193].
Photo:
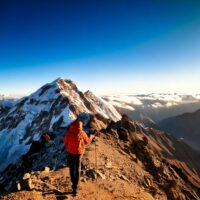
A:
[107, 46]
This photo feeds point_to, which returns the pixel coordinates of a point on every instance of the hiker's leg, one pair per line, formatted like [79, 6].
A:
[77, 171]
[71, 162]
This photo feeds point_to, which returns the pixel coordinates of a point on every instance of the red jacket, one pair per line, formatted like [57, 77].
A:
[75, 139]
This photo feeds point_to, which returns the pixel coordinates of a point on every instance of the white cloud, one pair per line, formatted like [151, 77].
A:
[155, 100]
[129, 107]
[157, 105]
[129, 100]
[122, 105]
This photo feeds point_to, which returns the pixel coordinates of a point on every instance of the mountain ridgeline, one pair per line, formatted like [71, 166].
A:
[185, 126]
[141, 162]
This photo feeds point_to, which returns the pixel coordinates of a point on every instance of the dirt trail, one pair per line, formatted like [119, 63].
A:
[117, 179]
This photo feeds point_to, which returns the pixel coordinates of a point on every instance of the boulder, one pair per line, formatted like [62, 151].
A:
[26, 176]
[123, 177]
[109, 165]
[90, 173]
[101, 175]
[46, 169]
[123, 134]
[96, 124]
[25, 184]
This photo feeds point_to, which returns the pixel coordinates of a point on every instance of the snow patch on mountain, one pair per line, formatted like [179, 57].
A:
[12, 147]
[103, 107]
[66, 115]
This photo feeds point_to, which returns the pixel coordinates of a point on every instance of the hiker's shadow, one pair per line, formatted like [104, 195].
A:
[62, 196]
[58, 195]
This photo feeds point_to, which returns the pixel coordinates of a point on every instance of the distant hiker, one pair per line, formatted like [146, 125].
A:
[75, 141]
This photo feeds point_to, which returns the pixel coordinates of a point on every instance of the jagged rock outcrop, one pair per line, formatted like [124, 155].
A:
[164, 157]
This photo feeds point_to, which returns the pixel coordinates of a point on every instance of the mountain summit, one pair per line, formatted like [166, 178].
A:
[54, 104]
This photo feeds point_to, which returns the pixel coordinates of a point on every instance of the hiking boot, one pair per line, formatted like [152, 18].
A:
[74, 193]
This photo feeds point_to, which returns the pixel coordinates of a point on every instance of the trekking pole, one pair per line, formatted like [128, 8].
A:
[95, 154]
[95, 147]
[96, 165]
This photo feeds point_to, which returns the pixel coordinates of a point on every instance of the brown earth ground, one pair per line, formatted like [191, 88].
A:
[118, 178]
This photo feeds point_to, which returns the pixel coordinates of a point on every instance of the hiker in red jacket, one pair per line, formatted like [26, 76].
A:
[75, 141]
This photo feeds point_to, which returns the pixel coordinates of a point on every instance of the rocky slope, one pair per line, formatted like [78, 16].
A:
[184, 126]
[127, 161]
[54, 105]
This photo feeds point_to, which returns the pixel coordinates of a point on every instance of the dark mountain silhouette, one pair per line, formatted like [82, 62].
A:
[185, 126]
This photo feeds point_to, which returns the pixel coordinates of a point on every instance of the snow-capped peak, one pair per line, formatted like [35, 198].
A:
[53, 105]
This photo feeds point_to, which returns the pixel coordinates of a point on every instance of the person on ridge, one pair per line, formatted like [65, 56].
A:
[75, 141]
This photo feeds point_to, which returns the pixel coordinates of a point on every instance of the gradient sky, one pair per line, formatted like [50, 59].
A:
[107, 46]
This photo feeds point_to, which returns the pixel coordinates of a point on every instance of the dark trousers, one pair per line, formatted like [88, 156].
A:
[74, 161]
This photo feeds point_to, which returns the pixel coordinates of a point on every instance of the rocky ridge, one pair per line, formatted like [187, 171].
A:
[126, 161]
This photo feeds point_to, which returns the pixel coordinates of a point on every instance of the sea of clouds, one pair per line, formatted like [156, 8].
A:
[151, 100]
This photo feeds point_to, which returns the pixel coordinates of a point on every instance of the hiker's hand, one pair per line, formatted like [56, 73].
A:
[92, 136]
[95, 132]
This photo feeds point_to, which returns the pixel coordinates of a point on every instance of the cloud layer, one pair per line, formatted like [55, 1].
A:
[151, 100]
